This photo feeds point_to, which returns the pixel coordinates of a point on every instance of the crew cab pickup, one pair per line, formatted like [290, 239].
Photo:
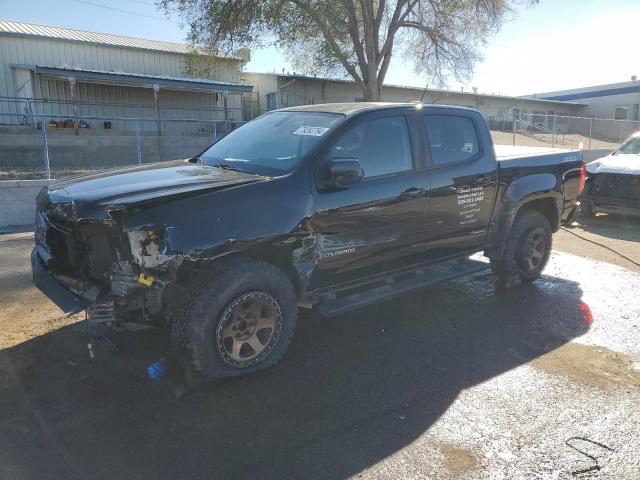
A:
[321, 206]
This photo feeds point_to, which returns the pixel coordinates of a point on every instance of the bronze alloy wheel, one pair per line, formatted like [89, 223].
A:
[534, 249]
[249, 329]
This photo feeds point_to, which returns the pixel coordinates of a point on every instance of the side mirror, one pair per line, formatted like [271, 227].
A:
[340, 172]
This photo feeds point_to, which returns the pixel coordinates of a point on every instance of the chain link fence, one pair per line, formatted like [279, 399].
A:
[38, 142]
[66, 139]
[540, 130]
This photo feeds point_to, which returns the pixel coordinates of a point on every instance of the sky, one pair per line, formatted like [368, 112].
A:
[554, 45]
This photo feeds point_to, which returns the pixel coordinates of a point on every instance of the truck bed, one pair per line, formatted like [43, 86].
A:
[558, 168]
[512, 152]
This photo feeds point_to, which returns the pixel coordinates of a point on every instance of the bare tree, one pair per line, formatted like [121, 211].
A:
[440, 38]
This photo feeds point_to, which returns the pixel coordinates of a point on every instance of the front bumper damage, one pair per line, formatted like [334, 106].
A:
[110, 272]
[613, 193]
[69, 302]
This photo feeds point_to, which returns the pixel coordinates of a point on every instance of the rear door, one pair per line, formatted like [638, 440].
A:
[464, 177]
[377, 224]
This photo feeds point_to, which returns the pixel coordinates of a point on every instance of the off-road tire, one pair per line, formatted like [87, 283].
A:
[512, 269]
[195, 331]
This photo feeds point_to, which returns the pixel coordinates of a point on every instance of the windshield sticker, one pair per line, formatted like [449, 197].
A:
[313, 131]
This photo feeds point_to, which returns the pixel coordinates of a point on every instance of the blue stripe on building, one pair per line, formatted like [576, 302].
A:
[595, 93]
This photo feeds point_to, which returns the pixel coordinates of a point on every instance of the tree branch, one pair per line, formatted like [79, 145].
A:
[326, 32]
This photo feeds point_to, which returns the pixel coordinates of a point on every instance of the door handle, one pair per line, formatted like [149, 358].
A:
[412, 192]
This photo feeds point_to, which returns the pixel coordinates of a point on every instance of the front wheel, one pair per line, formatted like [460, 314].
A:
[527, 251]
[242, 321]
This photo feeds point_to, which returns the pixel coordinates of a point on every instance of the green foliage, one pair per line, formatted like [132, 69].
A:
[440, 38]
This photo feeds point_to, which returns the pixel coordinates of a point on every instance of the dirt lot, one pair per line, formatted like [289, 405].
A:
[456, 381]
[537, 139]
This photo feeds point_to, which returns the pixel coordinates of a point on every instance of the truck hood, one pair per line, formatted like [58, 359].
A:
[623, 164]
[92, 195]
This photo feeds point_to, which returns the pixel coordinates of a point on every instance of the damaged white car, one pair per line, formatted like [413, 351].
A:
[613, 184]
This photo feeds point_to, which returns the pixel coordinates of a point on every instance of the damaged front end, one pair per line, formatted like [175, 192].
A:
[113, 273]
[614, 193]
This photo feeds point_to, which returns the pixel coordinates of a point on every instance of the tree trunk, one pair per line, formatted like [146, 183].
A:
[371, 91]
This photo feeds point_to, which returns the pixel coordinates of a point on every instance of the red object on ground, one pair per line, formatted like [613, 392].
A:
[583, 178]
[587, 316]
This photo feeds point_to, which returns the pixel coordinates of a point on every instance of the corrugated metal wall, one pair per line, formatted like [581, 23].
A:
[23, 50]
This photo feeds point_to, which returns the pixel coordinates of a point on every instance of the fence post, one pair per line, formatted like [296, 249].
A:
[590, 127]
[215, 131]
[620, 131]
[46, 148]
[138, 146]
[553, 132]
[513, 113]
[32, 117]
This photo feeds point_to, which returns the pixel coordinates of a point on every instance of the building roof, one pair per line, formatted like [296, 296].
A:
[100, 76]
[60, 33]
[444, 93]
[609, 89]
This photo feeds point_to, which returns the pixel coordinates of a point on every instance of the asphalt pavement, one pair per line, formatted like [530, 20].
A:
[454, 381]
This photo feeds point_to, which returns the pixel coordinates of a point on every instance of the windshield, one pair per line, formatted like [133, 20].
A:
[630, 147]
[272, 144]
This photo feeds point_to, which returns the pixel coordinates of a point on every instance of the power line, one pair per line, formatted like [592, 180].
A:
[603, 246]
[127, 11]
[144, 3]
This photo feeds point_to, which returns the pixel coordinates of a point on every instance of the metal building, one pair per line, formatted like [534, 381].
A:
[617, 101]
[620, 101]
[281, 90]
[61, 72]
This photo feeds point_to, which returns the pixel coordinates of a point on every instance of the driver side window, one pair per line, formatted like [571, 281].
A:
[381, 145]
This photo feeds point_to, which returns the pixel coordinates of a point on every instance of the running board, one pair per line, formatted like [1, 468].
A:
[394, 286]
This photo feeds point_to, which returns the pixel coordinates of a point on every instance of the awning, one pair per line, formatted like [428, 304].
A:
[141, 80]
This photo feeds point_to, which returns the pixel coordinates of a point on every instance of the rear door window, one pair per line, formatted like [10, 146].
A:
[451, 138]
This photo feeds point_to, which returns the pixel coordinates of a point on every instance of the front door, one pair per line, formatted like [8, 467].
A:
[378, 224]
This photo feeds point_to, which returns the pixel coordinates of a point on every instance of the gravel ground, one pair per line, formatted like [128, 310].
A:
[453, 382]
[621, 234]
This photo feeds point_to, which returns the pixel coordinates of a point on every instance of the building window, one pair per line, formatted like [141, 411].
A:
[538, 118]
[621, 113]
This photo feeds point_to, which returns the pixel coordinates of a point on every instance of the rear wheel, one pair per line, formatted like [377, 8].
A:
[527, 251]
[242, 321]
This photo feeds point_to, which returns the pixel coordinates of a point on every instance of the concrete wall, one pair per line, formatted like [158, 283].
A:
[17, 200]
[25, 151]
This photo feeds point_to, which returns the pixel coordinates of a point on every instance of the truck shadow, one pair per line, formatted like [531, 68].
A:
[352, 391]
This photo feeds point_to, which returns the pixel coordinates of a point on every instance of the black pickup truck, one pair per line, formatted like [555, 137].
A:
[322, 206]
